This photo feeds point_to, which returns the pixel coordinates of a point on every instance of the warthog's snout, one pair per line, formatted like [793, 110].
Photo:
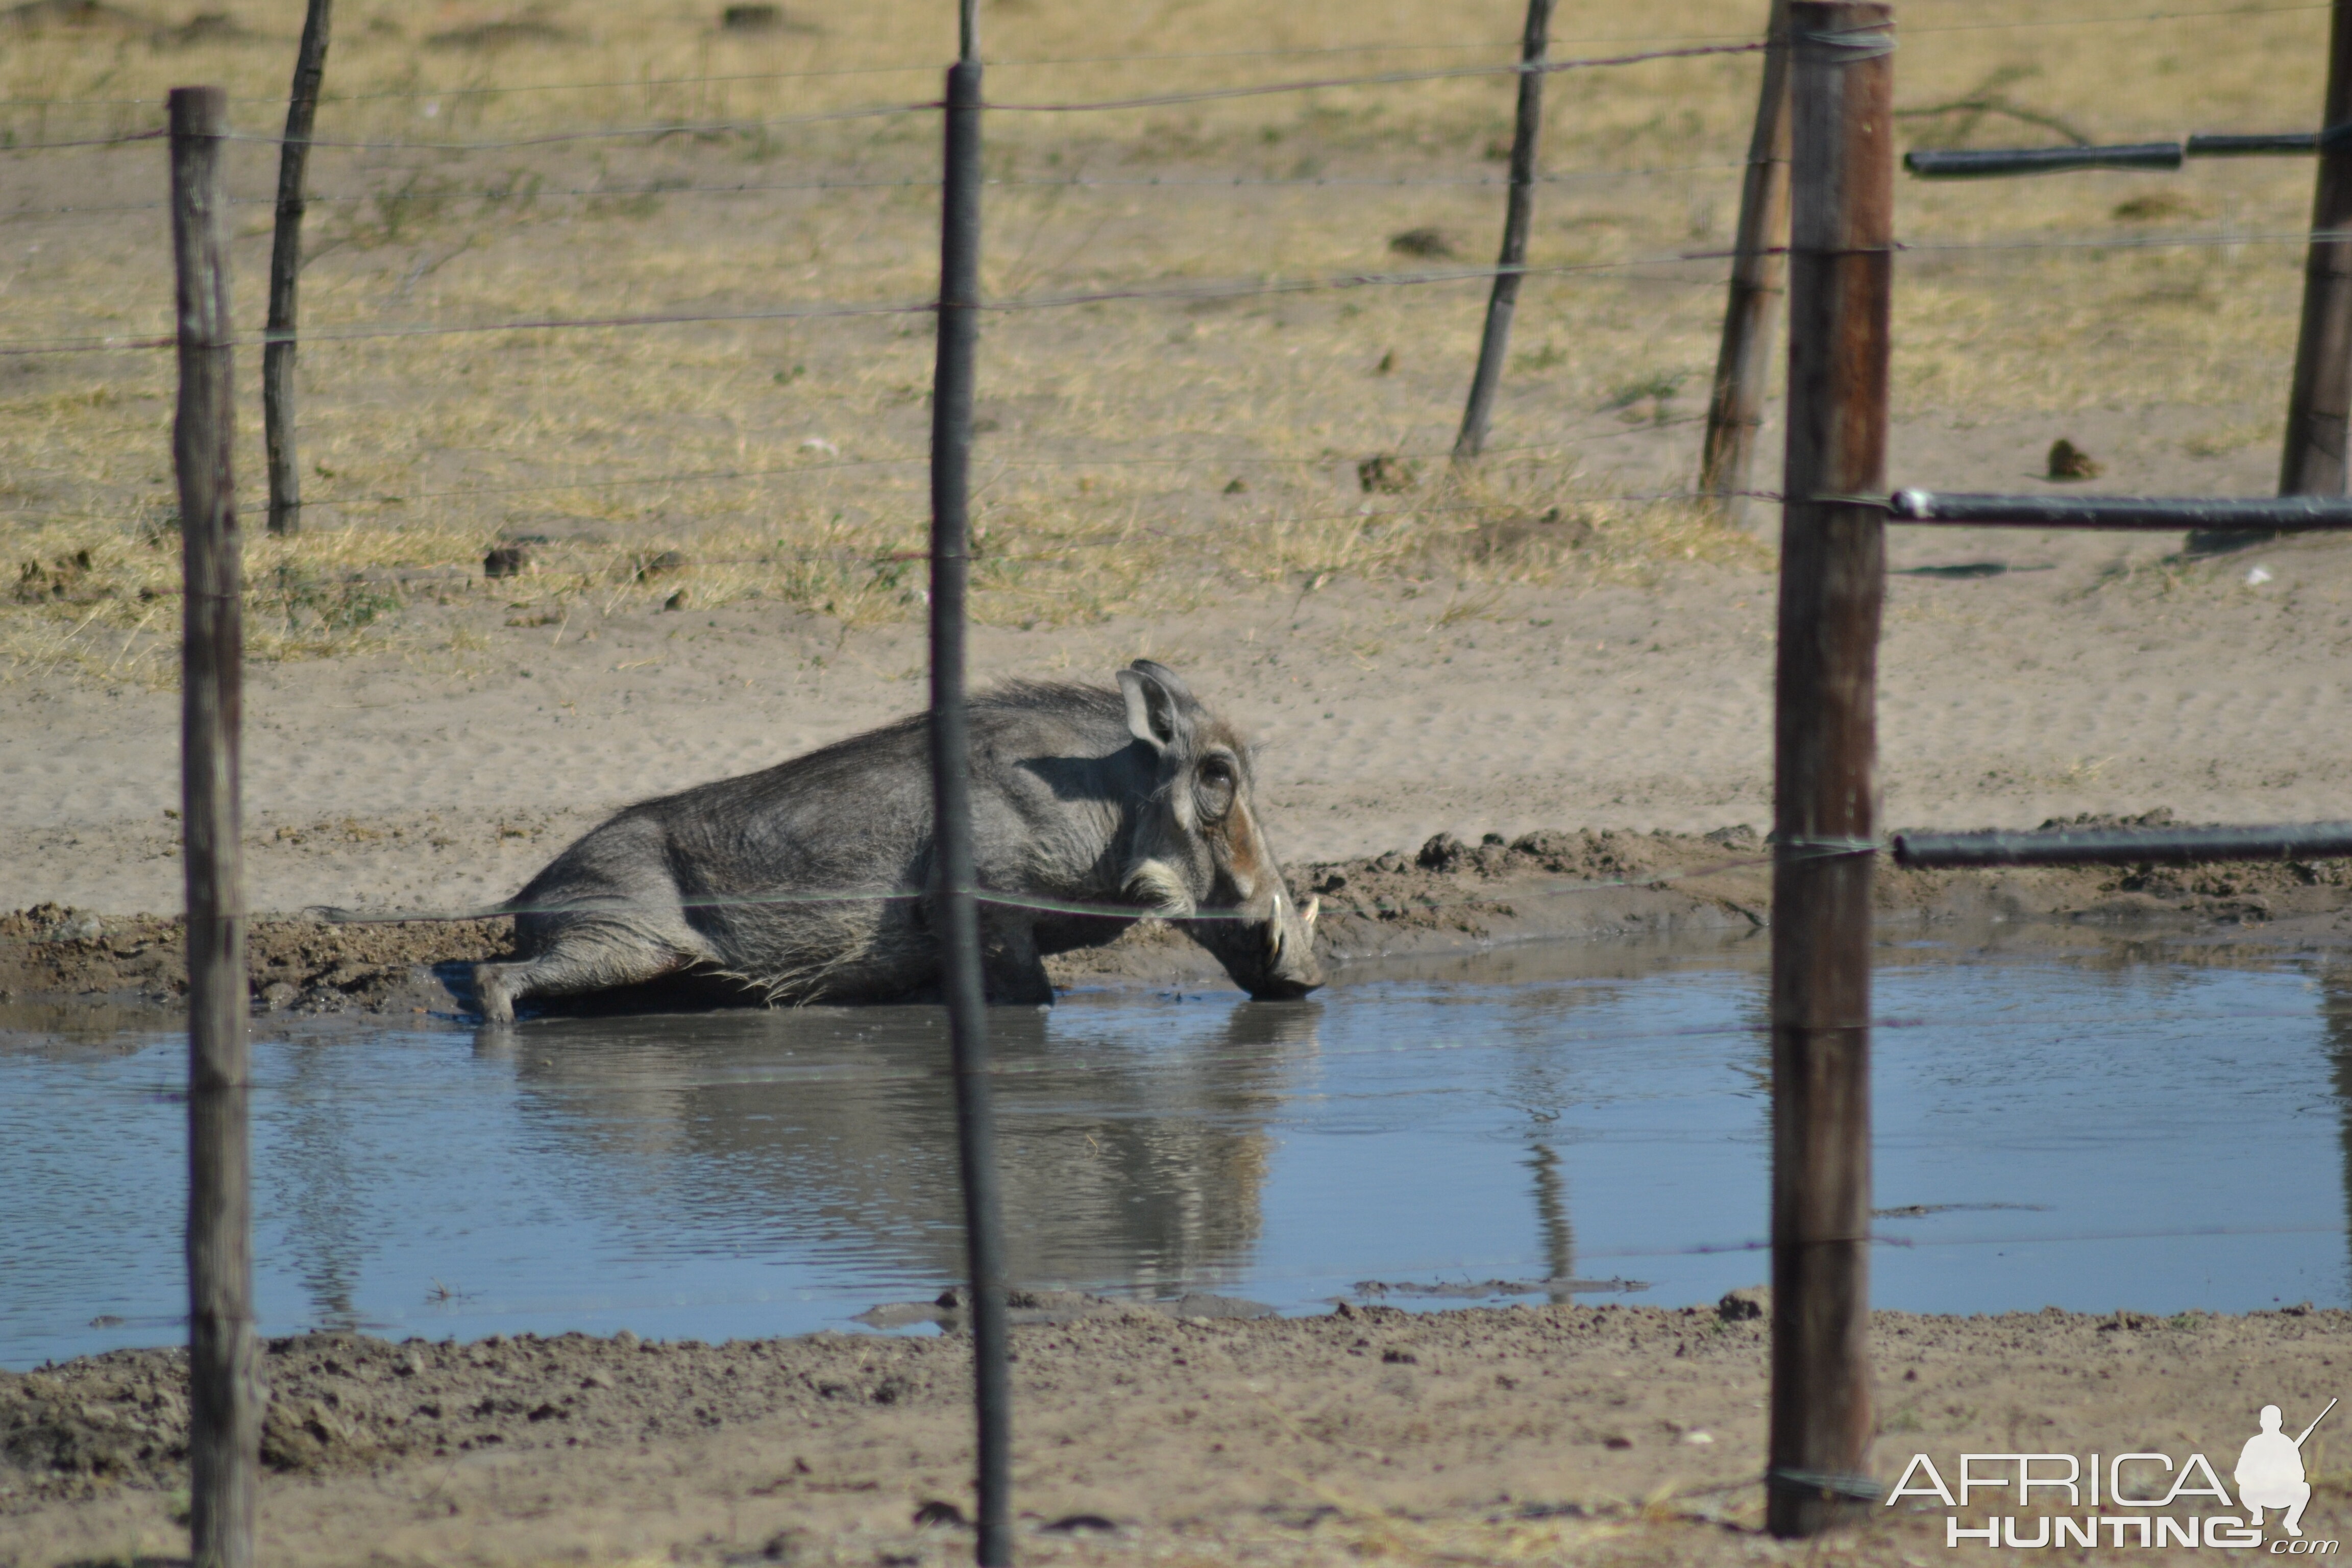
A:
[1273, 959]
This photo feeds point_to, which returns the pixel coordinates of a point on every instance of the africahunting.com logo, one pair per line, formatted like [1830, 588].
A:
[2129, 1501]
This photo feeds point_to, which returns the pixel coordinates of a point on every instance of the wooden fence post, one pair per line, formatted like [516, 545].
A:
[2313, 463]
[223, 1374]
[1517, 217]
[1826, 786]
[1735, 409]
[279, 348]
[954, 905]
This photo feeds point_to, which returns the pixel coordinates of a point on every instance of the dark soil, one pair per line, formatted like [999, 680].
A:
[1448, 896]
[49, 953]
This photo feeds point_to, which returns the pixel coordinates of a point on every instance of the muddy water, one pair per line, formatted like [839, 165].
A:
[2096, 1126]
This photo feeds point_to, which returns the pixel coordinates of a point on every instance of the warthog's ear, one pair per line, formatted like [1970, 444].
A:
[1167, 678]
[1155, 713]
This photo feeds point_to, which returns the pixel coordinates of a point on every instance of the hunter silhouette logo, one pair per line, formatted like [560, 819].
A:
[2139, 1501]
[2269, 1471]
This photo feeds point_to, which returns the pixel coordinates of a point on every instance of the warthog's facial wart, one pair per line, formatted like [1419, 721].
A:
[1155, 885]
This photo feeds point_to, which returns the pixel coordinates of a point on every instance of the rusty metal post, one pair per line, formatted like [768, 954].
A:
[954, 903]
[278, 350]
[2313, 463]
[1735, 410]
[223, 1363]
[1825, 785]
[1518, 218]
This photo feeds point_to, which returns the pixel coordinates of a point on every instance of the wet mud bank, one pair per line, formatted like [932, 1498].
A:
[1559, 1433]
[1448, 897]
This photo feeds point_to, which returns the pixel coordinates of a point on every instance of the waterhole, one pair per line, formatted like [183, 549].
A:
[2079, 1121]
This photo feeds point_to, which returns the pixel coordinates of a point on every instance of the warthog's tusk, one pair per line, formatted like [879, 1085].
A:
[1314, 908]
[1274, 938]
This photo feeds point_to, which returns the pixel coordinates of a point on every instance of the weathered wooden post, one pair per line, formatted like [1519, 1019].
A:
[954, 905]
[279, 348]
[1825, 785]
[2321, 398]
[1735, 409]
[223, 1368]
[1518, 216]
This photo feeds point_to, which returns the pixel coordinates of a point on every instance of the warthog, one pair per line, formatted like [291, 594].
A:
[809, 881]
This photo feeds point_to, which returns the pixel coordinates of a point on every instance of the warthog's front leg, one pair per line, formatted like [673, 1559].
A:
[1012, 970]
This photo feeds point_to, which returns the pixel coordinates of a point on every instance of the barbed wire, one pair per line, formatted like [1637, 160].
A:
[2233, 12]
[521, 195]
[118, 139]
[1006, 899]
[1301, 51]
[1384, 79]
[1220, 289]
[1365, 511]
[1227, 288]
[729, 127]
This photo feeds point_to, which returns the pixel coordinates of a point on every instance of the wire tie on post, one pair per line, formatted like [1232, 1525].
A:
[1809, 1483]
[1856, 44]
[1823, 849]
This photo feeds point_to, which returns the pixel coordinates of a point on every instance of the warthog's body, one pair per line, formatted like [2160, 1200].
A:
[809, 881]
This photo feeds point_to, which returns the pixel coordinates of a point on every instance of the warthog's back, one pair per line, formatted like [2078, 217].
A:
[802, 879]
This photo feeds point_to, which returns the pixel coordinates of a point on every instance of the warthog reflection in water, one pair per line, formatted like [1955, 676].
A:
[828, 1135]
[805, 882]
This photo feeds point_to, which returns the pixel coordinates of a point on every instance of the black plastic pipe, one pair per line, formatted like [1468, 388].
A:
[2282, 514]
[1952, 163]
[2125, 846]
[2285, 141]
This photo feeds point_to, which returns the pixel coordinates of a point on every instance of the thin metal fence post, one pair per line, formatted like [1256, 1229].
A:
[1735, 410]
[279, 348]
[954, 904]
[1826, 786]
[1517, 218]
[224, 1374]
[2321, 398]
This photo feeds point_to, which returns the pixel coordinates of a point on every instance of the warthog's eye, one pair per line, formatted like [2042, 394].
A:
[1213, 785]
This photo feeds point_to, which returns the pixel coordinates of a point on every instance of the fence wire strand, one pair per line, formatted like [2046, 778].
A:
[520, 195]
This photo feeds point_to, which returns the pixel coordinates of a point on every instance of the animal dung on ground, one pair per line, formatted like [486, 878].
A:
[203, 27]
[752, 19]
[496, 36]
[1387, 364]
[1430, 243]
[1236, 486]
[37, 16]
[2068, 461]
[1745, 1305]
[505, 560]
[1441, 853]
[1078, 1523]
[1386, 474]
[2155, 207]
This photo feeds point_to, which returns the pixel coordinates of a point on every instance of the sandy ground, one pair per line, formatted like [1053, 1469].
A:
[1547, 1435]
[2093, 675]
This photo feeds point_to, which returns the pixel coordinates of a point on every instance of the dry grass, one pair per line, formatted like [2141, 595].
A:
[1139, 456]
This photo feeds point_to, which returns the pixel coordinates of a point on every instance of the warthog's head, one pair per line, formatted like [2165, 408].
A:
[1198, 848]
